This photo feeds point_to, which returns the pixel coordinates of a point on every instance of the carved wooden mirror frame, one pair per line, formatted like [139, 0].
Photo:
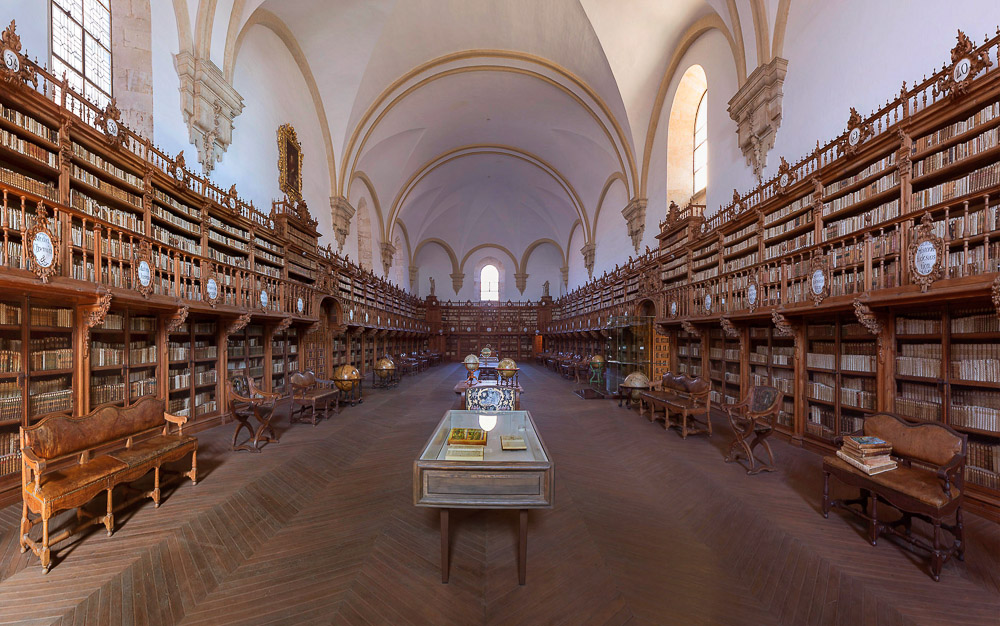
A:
[923, 241]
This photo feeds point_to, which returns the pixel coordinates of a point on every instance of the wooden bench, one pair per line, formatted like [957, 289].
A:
[681, 399]
[928, 484]
[67, 461]
[309, 391]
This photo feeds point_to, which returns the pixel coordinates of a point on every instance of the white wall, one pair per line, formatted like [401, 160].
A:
[543, 265]
[169, 130]
[32, 22]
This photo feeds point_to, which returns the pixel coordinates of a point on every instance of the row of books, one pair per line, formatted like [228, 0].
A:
[887, 182]
[973, 261]
[55, 359]
[142, 354]
[51, 401]
[961, 224]
[107, 389]
[34, 151]
[917, 326]
[99, 162]
[982, 178]
[788, 209]
[872, 169]
[103, 353]
[985, 141]
[29, 184]
[42, 316]
[986, 322]
[174, 204]
[984, 455]
[10, 463]
[981, 117]
[856, 223]
[979, 409]
[789, 246]
[29, 124]
[10, 314]
[979, 361]
[922, 360]
[169, 238]
[115, 192]
[921, 402]
[982, 477]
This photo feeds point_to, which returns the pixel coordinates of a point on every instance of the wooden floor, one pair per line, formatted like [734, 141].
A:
[647, 529]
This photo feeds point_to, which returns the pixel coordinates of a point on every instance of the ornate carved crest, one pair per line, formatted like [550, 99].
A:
[211, 287]
[819, 278]
[649, 281]
[753, 293]
[177, 319]
[238, 324]
[180, 171]
[996, 295]
[95, 315]
[785, 177]
[690, 328]
[44, 245]
[142, 268]
[289, 162]
[904, 165]
[109, 121]
[925, 255]
[14, 68]
[966, 62]
[729, 328]
[283, 324]
[738, 204]
[858, 131]
[782, 325]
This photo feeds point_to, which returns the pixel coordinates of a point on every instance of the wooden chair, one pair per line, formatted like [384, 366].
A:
[246, 401]
[755, 416]
[309, 392]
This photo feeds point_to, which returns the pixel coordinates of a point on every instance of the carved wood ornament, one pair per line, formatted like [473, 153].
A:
[143, 268]
[690, 329]
[44, 244]
[289, 162]
[729, 328]
[94, 316]
[870, 321]
[177, 319]
[283, 324]
[819, 278]
[785, 177]
[782, 325]
[858, 131]
[14, 69]
[209, 274]
[753, 293]
[925, 254]
[180, 172]
[996, 295]
[966, 62]
[109, 121]
[238, 324]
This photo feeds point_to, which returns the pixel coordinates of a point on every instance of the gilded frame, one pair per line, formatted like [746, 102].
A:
[289, 163]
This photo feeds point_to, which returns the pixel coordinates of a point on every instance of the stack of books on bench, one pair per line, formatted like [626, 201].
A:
[868, 454]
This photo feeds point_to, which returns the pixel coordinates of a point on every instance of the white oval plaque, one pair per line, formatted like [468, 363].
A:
[673, 308]
[112, 127]
[263, 298]
[818, 282]
[963, 67]
[854, 136]
[783, 181]
[752, 293]
[300, 305]
[708, 302]
[925, 258]
[145, 275]
[212, 288]
[43, 250]
[10, 60]
[350, 315]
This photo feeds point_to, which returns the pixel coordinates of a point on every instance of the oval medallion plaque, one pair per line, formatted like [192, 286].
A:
[300, 305]
[818, 282]
[925, 259]
[963, 67]
[752, 293]
[212, 289]
[144, 274]
[263, 298]
[708, 302]
[42, 249]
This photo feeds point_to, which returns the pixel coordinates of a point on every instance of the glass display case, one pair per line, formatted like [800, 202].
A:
[630, 346]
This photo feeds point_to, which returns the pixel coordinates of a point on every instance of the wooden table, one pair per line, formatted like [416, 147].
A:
[462, 386]
[520, 479]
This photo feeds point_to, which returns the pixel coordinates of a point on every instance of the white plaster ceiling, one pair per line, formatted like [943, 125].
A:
[396, 90]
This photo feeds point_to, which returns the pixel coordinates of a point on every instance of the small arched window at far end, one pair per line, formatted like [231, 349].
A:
[700, 156]
[489, 283]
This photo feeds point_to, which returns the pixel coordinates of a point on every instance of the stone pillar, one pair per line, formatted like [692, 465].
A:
[342, 212]
[635, 215]
[388, 251]
[564, 271]
[456, 282]
[415, 280]
[132, 51]
[209, 105]
[756, 109]
[520, 281]
[588, 251]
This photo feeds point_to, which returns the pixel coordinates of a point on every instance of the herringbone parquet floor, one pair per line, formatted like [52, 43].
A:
[647, 529]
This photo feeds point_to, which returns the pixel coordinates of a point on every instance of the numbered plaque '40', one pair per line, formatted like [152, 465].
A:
[925, 254]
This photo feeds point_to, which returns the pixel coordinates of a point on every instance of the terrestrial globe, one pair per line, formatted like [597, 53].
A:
[506, 368]
[384, 367]
[471, 362]
[597, 361]
[636, 381]
[346, 377]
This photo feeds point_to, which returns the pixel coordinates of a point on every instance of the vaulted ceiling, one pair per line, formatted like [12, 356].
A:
[484, 121]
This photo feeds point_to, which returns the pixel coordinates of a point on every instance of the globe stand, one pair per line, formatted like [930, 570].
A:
[391, 380]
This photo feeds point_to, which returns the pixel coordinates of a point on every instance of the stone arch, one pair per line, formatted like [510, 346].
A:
[604, 192]
[680, 134]
[510, 254]
[455, 267]
[534, 244]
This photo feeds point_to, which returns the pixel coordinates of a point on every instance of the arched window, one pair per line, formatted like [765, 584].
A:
[700, 154]
[489, 283]
[81, 47]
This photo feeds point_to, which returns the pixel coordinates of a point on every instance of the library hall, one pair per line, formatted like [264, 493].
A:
[500, 312]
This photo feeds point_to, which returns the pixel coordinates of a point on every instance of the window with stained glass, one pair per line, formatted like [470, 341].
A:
[701, 145]
[81, 46]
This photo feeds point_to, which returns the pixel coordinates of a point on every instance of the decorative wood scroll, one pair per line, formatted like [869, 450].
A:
[996, 295]
[966, 62]
[691, 330]
[177, 319]
[925, 254]
[210, 284]
[867, 317]
[144, 269]
[95, 315]
[283, 324]
[43, 245]
[782, 325]
[109, 121]
[729, 328]
[238, 324]
[819, 278]
[180, 172]
[289, 162]
[785, 177]
[14, 69]
[858, 131]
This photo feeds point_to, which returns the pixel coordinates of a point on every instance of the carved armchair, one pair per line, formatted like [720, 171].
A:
[754, 417]
[246, 401]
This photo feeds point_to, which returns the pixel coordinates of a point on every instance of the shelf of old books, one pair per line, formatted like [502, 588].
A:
[821, 380]
[689, 359]
[772, 363]
[284, 358]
